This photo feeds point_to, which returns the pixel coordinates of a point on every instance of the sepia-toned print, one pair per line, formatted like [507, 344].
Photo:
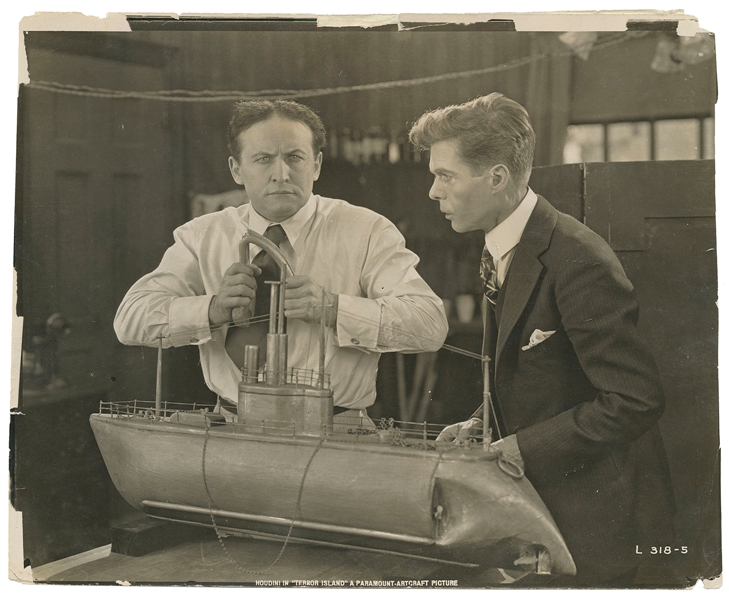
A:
[424, 304]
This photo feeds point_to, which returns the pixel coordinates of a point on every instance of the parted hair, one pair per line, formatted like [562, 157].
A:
[489, 130]
[249, 112]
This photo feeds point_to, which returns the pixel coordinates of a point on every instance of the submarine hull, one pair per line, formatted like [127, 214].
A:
[452, 503]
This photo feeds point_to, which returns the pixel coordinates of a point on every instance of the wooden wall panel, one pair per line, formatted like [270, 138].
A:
[659, 219]
[618, 84]
[620, 196]
[100, 197]
[102, 194]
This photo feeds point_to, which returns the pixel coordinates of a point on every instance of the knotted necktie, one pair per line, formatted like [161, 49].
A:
[255, 333]
[488, 277]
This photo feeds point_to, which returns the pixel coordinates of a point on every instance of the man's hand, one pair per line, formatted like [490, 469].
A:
[238, 288]
[303, 301]
[460, 432]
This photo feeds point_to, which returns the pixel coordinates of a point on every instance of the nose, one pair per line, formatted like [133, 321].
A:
[280, 170]
[435, 192]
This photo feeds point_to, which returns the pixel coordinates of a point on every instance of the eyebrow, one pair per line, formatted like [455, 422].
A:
[266, 153]
[441, 171]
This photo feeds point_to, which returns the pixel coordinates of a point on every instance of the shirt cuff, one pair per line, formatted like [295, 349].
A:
[510, 447]
[189, 323]
[358, 322]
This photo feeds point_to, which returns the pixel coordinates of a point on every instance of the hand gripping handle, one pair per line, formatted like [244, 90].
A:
[242, 314]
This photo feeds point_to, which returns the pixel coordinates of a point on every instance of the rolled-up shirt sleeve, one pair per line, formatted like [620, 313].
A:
[399, 312]
[170, 302]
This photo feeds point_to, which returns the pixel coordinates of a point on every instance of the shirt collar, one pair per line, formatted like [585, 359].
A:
[506, 235]
[293, 226]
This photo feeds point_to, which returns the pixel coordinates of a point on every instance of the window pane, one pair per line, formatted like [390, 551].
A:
[677, 139]
[584, 143]
[629, 141]
[709, 138]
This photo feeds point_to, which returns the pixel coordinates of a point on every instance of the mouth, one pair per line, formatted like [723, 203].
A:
[281, 193]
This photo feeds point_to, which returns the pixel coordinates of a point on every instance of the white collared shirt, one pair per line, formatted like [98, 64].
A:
[384, 305]
[502, 240]
[291, 226]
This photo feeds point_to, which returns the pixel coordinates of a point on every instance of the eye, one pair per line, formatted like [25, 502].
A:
[263, 159]
[445, 178]
[295, 157]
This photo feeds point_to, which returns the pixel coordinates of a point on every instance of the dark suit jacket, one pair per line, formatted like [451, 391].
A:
[583, 403]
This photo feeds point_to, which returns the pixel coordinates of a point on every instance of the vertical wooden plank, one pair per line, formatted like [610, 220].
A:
[562, 186]
[597, 197]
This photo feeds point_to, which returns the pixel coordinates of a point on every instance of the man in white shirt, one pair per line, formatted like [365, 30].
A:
[376, 301]
[576, 391]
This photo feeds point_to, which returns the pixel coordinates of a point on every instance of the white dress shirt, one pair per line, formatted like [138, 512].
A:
[502, 240]
[384, 305]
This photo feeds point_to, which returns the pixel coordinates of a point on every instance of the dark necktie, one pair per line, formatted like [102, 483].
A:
[255, 333]
[488, 277]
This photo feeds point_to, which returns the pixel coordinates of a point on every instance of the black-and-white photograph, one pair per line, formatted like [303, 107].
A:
[366, 302]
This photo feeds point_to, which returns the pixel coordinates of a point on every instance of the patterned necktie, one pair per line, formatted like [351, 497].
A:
[488, 277]
[255, 333]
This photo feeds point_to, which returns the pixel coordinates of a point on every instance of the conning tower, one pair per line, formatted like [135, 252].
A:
[275, 397]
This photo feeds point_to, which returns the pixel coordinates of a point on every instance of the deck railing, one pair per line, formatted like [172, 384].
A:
[404, 433]
[146, 408]
[306, 377]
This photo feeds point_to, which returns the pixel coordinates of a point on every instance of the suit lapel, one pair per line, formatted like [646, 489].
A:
[524, 270]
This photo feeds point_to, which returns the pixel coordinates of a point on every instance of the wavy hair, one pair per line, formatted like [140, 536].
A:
[249, 112]
[489, 130]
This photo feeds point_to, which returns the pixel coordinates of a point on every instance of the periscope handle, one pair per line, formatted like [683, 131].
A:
[243, 314]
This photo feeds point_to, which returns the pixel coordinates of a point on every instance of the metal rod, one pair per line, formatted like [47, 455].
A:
[322, 342]
[275, 291]
[158, 394]
[282, 302]
[250, 364]
[283, 356]
[273, 354]
[241, 314]
[351, 531]
[486, 402]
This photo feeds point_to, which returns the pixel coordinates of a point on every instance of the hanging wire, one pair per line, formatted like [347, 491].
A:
[390, 329]
[181, 95]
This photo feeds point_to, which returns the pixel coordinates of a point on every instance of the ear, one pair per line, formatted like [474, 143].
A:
[234, 167]
[317, 165]
[500, 178]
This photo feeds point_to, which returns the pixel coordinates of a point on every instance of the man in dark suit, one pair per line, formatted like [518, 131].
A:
[575, 390]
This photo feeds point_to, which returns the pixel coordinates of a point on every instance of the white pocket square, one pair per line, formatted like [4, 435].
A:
[537, 338]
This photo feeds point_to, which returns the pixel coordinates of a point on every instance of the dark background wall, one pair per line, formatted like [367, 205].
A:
[230, 61]
[103, 182]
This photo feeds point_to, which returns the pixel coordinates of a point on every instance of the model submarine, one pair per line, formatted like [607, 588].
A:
[284, 468]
